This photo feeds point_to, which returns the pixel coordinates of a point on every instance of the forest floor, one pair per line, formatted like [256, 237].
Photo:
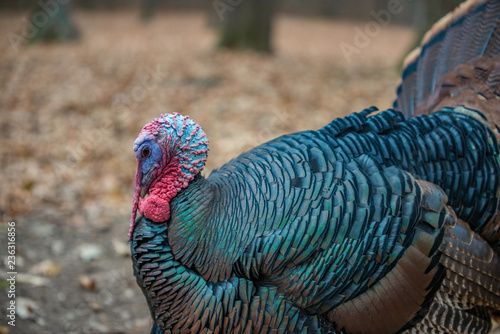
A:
[70, 113]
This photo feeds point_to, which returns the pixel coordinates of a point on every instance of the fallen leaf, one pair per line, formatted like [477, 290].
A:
[46, 268]
[96, 307]
[88, 283]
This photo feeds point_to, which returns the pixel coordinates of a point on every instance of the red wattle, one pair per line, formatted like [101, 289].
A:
[155, 208]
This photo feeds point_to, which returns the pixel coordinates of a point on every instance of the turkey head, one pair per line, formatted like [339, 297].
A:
[170, 151]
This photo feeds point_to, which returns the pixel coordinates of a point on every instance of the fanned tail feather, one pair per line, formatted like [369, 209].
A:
[472, 30]
[474, 85]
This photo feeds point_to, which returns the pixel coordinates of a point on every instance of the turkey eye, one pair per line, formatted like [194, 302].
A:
[146, 152]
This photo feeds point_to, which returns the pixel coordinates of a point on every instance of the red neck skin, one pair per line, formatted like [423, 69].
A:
[156, 206]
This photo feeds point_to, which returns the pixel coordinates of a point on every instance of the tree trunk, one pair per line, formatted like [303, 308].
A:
[148, 9]
[246, 24]
[330, 8]
[51, 21]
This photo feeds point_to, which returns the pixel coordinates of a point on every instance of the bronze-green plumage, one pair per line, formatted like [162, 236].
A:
[376, 223]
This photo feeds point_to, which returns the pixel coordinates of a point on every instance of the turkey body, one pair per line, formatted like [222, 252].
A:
[294, 228]
[377, 223]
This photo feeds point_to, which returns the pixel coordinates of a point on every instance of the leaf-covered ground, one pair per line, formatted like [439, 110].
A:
[70, 113]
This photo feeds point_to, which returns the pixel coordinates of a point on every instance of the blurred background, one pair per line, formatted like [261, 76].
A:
[79, 79]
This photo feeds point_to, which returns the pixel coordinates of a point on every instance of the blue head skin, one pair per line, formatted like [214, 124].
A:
[150, 159]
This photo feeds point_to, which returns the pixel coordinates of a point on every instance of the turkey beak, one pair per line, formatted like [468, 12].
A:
[140, 191]
[144, 187]
[135, 204]
[145, 182]
[144, 192]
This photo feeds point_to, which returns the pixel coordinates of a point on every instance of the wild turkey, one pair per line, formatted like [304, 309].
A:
[376, 223]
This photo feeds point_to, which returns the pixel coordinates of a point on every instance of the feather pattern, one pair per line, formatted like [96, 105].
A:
[471, 30]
